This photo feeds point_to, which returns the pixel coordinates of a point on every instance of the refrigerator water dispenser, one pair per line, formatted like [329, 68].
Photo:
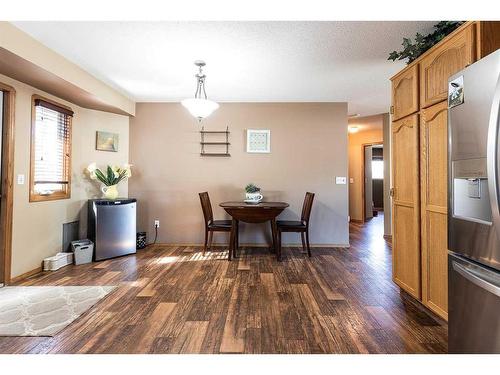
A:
[471, 199]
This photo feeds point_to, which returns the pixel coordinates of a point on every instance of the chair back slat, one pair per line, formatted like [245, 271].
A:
[306, 207]
[206, 206]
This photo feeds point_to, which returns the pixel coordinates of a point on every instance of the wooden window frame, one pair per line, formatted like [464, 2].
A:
[66, 193]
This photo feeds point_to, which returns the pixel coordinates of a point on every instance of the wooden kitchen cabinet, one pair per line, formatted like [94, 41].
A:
[405, 93]
[405, 201]
[434, 210]
[419, 160]
[444, 60]
[487, 38]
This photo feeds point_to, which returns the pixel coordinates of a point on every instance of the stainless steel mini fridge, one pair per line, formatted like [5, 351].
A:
[112, 227]
[473, 208]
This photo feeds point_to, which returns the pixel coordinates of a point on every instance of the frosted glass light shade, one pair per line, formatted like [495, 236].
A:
[200, 108]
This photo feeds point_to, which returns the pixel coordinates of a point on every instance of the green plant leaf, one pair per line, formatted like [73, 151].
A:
[100, 176]
[121, 176]
[111, 175]
[393, 56]
[412, 50]
[252, 188]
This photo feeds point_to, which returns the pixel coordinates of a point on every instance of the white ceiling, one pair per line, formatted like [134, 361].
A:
[246, 61]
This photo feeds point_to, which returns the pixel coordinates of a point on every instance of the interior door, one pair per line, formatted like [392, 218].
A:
[433, 167]
[406, 205]
[368, 183]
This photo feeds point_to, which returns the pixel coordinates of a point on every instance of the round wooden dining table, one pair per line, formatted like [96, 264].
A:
[253, 213]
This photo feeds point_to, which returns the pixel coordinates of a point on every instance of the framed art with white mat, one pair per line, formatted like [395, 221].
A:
[258, 141]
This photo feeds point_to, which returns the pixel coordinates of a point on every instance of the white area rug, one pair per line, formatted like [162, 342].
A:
[45, 310]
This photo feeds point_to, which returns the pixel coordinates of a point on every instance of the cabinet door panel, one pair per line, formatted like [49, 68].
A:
[487, 37]
[445, 60]
[433, 163]
[405, 93]
[406, 205]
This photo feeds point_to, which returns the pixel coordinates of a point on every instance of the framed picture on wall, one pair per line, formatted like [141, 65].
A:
[105, 141]
[258, 141]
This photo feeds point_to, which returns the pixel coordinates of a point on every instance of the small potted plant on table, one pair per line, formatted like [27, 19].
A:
[253, 194]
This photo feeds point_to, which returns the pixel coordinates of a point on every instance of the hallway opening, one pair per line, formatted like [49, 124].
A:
[369, 170]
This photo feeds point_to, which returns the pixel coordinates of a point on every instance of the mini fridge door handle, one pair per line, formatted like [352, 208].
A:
[474, 276]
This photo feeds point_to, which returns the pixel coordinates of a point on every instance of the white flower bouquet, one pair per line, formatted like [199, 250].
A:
[112, 175]
[110, 178]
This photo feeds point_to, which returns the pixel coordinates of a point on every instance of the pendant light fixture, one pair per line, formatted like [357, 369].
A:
[199, 106]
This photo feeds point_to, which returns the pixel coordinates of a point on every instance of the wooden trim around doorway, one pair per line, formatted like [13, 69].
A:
[6, 200]
[363, 200]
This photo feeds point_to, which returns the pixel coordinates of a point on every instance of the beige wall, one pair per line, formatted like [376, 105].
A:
[308, 149]
[37, 227]
[370, 132]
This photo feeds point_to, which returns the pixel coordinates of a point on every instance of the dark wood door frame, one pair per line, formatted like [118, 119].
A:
[363, 201]
[6, 200]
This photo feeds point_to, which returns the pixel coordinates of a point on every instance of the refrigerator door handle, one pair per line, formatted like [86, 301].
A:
[474, 277]
[493, 157]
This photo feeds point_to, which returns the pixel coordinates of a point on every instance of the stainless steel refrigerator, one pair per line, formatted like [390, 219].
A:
[474, 208]
[112, 227]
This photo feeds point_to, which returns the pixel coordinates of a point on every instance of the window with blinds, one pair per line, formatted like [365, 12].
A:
[50, 176]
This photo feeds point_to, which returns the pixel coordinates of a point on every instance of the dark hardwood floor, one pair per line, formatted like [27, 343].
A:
[174, 300]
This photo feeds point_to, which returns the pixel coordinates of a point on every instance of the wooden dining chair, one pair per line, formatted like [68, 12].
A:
[211, 225]
[301, 226]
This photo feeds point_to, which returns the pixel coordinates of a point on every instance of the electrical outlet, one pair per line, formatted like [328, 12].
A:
[20, 179]
[340, 180]
[157, 223]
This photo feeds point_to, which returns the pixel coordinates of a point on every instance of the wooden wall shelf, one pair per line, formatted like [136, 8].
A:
[218, 144]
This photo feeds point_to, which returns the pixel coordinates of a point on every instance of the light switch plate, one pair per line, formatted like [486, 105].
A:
[20, 179]
[340, 180]
[351, 180]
